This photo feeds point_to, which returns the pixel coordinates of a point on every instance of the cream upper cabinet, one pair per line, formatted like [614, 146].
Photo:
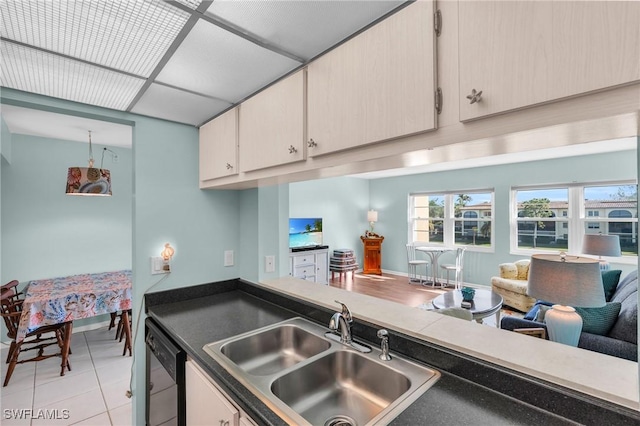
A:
[271, 130]
[219, 146]
[523, 53]
[377, 86]
[596, 45]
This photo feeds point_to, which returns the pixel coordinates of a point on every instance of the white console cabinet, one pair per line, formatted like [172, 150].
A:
[207, 403]
[310, 265]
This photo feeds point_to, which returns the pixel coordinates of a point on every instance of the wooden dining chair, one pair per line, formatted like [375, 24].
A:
[124, 330]
[10, 289]
[37, 340]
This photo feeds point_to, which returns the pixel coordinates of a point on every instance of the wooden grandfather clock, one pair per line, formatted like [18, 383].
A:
[372, 253]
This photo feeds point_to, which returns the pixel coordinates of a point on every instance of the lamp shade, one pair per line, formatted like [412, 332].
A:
[88, 181]
[566, 280]
[601, 245]
[372, 216]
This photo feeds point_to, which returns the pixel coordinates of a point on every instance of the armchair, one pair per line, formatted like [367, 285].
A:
[512, 285]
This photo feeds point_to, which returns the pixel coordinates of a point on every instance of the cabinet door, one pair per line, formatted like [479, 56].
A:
[372, 256]
[505, 50]
[377, 86]
[596, 45]
[322, 268]
[272, 125]
[523, 53]
[219, 146]
[206, 405]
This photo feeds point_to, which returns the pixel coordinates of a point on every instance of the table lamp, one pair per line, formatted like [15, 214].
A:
[565, 280]
[372, 217]
[602, 245]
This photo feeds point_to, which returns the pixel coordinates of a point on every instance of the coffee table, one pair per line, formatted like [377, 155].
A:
[485, 303]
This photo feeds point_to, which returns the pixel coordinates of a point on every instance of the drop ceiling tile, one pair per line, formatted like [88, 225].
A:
[176, 105]
[217, 63]
[193, 4]
[130, 36]
[35, 71]
[304, 28]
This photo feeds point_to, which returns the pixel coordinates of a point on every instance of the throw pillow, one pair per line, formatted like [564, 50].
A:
[542, 311]
[610, 282]
[599, 320]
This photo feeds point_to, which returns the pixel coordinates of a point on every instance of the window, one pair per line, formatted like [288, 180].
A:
[540, 223]
[556, 218]
[451, 218]
[617, 211]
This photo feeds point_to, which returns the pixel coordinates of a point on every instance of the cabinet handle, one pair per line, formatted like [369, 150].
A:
[475, 96]
[229, 166]
[311, 143]
[292, 149]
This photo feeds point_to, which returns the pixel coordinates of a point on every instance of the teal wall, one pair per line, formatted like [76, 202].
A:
[342, 203]
[49, 234]
[167, 206]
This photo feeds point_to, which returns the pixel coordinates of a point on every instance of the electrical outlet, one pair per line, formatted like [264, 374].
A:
[158, 266]
[269, 263]
[228, 258]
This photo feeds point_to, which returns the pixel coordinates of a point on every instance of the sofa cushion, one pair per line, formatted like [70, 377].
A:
[610, 281]
[599, 320]
[542, 312]
[626, 328]
[516, 286]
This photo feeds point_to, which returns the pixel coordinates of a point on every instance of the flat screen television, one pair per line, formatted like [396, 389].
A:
[305, 232]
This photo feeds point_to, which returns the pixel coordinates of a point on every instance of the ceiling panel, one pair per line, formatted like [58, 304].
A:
[217, 63]
[130, 36]
[176, 105]
[66, 127]
[304, 28]
[47, 74]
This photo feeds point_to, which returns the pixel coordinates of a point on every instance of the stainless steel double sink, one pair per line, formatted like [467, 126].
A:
[307, 378]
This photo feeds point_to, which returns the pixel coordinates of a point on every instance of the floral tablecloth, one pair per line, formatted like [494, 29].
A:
[58, 300]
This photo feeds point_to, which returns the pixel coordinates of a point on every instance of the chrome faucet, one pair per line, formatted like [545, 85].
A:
[384, 345]
[341, 321]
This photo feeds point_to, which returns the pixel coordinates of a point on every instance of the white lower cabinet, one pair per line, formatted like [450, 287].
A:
[310, 265]
[207, 404]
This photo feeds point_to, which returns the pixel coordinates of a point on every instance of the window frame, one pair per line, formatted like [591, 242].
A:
[577, 218]
[449, 219]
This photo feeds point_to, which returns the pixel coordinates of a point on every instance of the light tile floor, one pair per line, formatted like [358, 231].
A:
[92, 393]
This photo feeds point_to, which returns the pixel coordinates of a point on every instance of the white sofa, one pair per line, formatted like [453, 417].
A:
[512, 285]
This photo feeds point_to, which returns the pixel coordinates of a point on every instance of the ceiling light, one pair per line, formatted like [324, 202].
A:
[89, 181]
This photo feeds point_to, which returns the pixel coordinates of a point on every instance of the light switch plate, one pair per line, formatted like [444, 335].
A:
[228, 258]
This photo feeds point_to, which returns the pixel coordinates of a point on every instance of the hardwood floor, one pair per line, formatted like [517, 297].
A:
[386, 286]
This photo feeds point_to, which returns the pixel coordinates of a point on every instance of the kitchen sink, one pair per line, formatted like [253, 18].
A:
[273, 350]
[343, 383]
[307, 378]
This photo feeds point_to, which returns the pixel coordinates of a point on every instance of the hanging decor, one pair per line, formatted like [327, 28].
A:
[89, 181]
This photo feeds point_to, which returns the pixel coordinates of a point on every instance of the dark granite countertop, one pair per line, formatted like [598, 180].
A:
[465, 393]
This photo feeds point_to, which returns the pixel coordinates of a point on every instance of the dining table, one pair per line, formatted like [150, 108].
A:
[434, 252]
[66, 299]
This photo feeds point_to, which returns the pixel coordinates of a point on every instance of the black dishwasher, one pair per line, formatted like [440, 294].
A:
[166, 403]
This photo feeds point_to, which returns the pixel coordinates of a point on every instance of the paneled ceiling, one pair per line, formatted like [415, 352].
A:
[184, 61]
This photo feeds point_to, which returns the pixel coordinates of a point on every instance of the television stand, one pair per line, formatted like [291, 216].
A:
[311, 264]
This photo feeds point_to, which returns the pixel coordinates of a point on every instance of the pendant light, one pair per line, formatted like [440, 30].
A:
[89, 181]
